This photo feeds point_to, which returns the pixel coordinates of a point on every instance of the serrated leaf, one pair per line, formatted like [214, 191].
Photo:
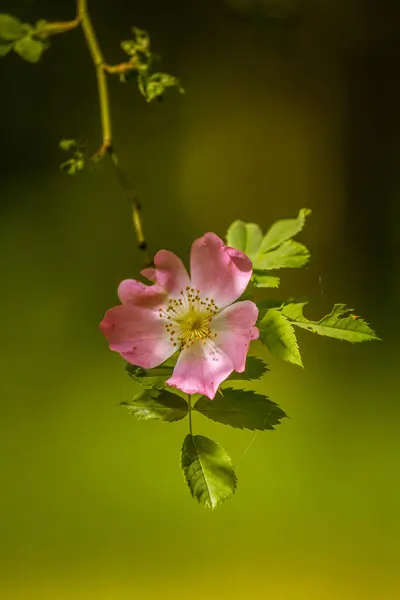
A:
[150, 377]
[277, 334]
[208, 470]
[290, 254]
[255, 369]
[276, 250]
[265, 281]
[243, 409]
[151, 404]
[246, 237]
[5, 47]
[283, 230]
[340, 323]
[264, 305]
[29, 49]
[11, 28]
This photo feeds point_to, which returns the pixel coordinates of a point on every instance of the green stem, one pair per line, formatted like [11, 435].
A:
[98, 60]
[135, 206]
[56, 27]
[107, 147]
[190, 414]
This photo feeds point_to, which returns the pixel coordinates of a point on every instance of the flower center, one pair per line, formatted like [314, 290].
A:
[188, 318]
[194, 326]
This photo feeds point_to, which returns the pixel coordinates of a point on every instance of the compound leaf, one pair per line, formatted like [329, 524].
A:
[275, 250]
[340, 323]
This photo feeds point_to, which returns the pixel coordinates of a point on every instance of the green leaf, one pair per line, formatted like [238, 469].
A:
[150, 86]
[243, 409]
[264, 305]
[340, 323]
[276, 250]
[40, 27]
[5, 47]
[290, 254]
[72, 166]
[142, 39]
[246, 237]
[255, 369]
[77, 162]
[208, 470]
[11, 28]
[29, 49]
[139, 47]
[162, 405]
[68, 145]
[283, 230]
[265, 281]
[277, 334]
[129, 47]
[150, 377]
[155, 85]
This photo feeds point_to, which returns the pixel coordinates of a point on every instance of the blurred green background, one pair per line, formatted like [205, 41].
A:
[288, 104]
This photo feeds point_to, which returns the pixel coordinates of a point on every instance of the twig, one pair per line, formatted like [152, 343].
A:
[106, 147]
[102, 68]
[98, 60]
[135, 206]
[123, 67]
[59, 27]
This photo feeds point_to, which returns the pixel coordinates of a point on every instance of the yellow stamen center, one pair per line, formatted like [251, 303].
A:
[188, 318]
[194, 326]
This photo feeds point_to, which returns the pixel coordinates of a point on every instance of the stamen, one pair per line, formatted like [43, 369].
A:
[188, 319]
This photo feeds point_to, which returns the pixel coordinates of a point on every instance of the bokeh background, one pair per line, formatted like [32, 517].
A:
[288, 104]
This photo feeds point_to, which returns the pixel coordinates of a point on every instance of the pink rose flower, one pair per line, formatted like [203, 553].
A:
[196, 316]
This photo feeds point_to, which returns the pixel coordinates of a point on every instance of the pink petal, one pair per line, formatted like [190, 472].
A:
[218, 271]
[138, 334]
[149, 273]
[169, 272]
[200, 369]
[235, 329]
[139, 294]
